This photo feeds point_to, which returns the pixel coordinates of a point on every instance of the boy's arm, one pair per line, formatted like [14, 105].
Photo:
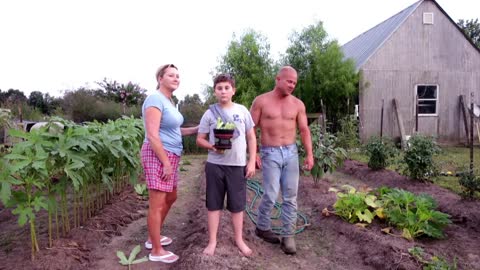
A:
[202, 141]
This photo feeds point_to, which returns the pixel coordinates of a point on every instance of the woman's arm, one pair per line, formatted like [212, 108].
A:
[189, 131]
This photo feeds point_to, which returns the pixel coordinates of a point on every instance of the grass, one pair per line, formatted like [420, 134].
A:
[451, 159]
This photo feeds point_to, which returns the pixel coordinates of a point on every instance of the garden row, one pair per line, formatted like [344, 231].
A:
[70, 172]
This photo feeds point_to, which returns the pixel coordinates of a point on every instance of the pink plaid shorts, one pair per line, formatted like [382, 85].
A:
[153, 169]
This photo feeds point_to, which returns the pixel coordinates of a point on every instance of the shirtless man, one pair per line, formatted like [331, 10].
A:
[278, 114]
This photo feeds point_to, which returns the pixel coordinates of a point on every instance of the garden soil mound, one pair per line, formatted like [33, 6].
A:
[327, 242]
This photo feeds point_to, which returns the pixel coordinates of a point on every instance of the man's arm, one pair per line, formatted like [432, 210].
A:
[305, 135]
[256, 112]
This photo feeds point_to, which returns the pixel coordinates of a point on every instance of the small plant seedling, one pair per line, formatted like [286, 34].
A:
[223, 125]
[131, 258]
[141, 190]
[186, 162]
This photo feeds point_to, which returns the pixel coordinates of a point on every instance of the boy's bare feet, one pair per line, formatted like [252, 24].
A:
[210, 249]
[246, 251]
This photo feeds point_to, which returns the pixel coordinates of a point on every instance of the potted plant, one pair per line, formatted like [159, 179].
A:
[223, 134]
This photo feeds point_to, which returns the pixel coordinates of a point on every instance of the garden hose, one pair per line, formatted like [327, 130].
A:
[256, 187]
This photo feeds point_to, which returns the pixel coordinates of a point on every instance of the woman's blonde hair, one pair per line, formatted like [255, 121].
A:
[161, 71]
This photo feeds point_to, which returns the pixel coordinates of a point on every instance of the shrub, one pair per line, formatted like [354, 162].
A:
[419, 157]
[379, 152]
[470, 184]
[347, 137]
[326, 155]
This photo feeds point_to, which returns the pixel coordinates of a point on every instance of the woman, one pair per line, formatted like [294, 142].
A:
[160, 154]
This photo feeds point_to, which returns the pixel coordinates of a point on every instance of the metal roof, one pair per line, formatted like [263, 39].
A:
[361, 48]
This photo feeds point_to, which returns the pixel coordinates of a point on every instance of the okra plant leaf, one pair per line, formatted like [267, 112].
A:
[134, 253]
[122, 257]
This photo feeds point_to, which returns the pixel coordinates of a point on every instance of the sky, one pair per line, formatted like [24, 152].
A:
[56, 45]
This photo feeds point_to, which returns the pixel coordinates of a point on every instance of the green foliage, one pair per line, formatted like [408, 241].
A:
[141, 190]
[131, 258]
[248, 60]
[414, 214]
[419, 157]
[470, 184]
[43, 165]
[347, 136]
[431, 262]
[355, 206]
[379, 151]
[223, 125]
[471, 29]
[129, 94]
[327, 157]
[192, 109]
[190, 145]
[323, 74]
[84, 105]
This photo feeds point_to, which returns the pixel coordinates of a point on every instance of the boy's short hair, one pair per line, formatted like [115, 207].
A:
[224, 77]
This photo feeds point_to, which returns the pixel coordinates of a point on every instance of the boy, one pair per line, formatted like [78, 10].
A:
[226, 170]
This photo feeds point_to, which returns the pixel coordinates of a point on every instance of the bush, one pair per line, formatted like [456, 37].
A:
[379, 151]
[327, 157]
[190, 145]
[419, 157]
[470, 183]
[347, 137]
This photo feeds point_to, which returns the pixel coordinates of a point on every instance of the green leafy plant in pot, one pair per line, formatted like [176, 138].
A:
[223, 134]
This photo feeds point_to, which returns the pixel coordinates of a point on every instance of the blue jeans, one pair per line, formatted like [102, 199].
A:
[280, 172]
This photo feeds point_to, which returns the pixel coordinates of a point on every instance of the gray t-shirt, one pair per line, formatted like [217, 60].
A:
[237, 156]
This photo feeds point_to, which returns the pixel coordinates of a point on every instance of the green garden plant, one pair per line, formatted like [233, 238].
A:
[379, 151]
[141, 190]
[347, 136]
[431, 262]
[131, 258]
[414, 214]
[355, 206]
[327, 156]
[419, 157]
[470, 184]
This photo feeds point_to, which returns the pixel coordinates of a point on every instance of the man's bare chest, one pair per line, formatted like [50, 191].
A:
[276, 112]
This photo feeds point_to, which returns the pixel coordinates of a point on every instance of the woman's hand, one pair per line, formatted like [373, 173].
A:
[167, 172]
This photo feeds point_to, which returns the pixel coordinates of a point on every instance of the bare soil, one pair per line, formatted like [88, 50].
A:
[327, 243]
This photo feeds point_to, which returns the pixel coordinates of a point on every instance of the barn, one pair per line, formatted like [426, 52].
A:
[416, 70]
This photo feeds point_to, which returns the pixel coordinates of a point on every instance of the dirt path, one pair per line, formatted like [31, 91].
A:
[187, 225]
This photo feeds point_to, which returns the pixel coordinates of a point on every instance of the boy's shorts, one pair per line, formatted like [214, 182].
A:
[230, 180]
[153, 169]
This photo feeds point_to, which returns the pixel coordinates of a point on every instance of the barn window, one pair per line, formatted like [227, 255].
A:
[427, 99]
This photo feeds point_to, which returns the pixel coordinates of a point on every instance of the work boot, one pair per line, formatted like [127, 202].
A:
[288, 245]
[267, 236]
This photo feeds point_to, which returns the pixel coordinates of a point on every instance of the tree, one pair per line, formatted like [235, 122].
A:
[471, 29]
[36, 100]
[248, 60]
[129, 94]
[323, 74]
[192, 109]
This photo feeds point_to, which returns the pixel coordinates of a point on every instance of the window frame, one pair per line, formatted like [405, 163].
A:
[416, 101]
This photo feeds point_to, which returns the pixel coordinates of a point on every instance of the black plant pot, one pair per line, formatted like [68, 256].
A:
[222, 138]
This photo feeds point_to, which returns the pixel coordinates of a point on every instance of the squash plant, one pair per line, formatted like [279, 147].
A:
[356, 206]
[414, 214]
